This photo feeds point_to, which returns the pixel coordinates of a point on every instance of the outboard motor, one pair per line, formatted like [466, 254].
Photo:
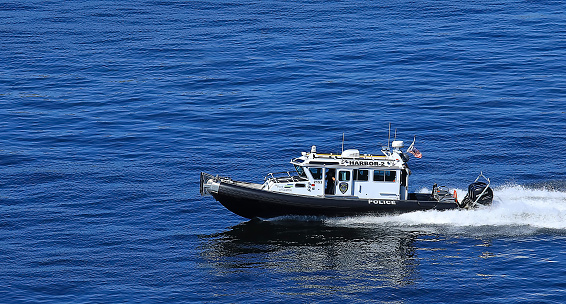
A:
[479, 193]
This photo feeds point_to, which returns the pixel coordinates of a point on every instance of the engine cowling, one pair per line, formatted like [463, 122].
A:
[479, 193]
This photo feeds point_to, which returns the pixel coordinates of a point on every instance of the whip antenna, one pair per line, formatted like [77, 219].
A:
[389, 136]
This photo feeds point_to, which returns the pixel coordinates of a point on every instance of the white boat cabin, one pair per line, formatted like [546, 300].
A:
[349, 174]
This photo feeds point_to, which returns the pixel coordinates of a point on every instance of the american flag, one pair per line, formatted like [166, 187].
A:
[414, 151]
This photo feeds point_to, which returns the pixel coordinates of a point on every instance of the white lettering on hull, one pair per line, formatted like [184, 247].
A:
[381, 202]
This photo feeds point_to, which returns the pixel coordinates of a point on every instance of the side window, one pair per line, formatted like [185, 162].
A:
[316, 173]
[378, 176]
[384, 176]
[344, 176]
[300, 171]
[361, 175]
[390, 176]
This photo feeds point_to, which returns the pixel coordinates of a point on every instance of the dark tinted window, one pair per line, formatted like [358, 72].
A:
[316, 173]
[300, 171]
[378, 176]
[390, 176]
[361, 175]
[344, 176]
[384, 176]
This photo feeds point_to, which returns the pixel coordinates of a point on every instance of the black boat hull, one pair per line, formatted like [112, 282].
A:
[251, 203]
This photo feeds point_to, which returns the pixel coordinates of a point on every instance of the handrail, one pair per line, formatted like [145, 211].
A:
[481, 175]
[273, 174]
[293, 178]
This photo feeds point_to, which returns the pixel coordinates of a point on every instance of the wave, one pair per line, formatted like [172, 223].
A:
[513, 205]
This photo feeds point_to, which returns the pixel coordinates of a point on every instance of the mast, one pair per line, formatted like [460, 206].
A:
[389, 137]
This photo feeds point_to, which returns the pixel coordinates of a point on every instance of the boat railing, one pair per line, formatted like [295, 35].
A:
[281, 177]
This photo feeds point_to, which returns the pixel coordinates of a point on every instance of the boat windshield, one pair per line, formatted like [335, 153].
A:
[300, 171]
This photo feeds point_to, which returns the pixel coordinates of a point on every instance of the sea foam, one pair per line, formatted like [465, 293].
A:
[513, 205]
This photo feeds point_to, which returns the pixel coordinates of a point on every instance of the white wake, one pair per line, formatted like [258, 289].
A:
[513, 206]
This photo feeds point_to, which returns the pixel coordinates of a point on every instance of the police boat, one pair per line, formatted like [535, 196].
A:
[342, 184]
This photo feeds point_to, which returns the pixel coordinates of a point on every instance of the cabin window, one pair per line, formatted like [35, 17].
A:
[299, 185]
[300, 171]
[361, 175]
[390, 176]
[344, 176]
[378, 176]
[384, 176]
[316, 173]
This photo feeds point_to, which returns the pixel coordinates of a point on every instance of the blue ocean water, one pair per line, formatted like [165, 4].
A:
[110, 110]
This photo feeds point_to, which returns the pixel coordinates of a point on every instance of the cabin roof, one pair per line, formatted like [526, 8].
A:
[352, 158]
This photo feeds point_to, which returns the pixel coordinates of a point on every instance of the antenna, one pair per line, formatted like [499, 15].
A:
[395, 138]
[342, 141]
[389, 136]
